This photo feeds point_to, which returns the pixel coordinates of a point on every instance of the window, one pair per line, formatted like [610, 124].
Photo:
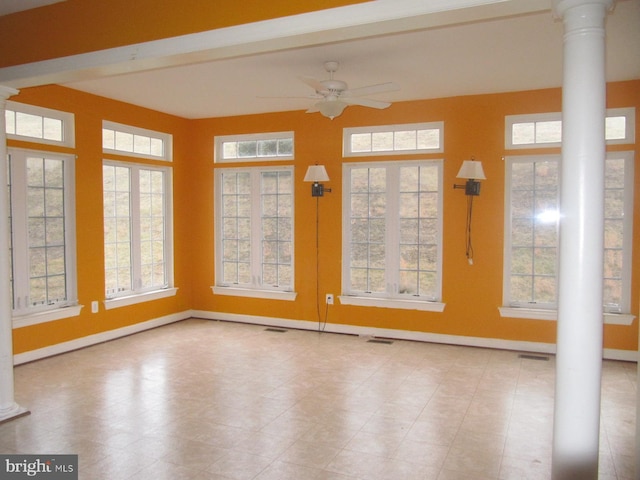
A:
[137, 232]
[531, 237]
[382, 140]
[136, 142]
[545, 129]
[252, 147]
[43, 263]
[254, 232]
[392, 230]
[38, 124]
[532, 230]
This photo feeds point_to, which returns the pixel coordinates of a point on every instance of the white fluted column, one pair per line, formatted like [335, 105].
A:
[8, 406]
[580, 318]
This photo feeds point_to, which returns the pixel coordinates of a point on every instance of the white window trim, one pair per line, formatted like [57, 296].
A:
[400, 304]
[253, 293]
[118, 302]
[67, 119]
[510, 120]
[220, 140]
[379, 300]
[245, 290]
[166, 138]
[129, 297]
[614, 318]
[48, 316]
[506, 272]
[71, 308]
[630, 125]
[348, 132]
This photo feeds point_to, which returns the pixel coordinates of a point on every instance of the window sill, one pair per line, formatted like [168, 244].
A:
[139, 298]
[540, 314]
[424, 306]
[251, 293]
[47, 316]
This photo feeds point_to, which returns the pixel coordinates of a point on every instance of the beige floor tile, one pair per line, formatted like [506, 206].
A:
[223, 401]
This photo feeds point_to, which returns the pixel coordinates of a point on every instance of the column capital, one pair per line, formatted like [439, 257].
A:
[560, 7]
[6, 92]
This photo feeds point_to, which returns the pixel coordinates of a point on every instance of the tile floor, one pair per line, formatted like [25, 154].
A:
[212, 400]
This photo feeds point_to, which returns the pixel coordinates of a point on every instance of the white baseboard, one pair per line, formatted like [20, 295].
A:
[533, 347]
[496, 343]
[101, 337]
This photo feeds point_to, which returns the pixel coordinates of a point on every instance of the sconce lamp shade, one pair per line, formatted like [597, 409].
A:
[331, 108]
[316, 173]
[471, 169]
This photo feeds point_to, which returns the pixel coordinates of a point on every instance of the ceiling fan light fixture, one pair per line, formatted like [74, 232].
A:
[332, 108]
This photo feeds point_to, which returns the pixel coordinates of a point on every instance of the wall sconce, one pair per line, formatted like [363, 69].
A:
[317, 174]
[472, 171]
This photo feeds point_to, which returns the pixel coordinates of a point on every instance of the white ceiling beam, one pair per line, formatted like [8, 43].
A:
[325, 26]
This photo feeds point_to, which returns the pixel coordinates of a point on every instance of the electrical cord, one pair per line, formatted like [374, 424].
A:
[321, 324]
[469, 244]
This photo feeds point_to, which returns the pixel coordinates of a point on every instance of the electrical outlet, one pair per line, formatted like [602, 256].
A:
[329, 298]
[94, 307]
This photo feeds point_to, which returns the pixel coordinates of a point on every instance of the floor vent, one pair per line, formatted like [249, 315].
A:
[380, 340]
[277, 330]
[533, 357]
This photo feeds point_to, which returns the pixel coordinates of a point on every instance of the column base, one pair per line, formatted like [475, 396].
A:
[12, 413]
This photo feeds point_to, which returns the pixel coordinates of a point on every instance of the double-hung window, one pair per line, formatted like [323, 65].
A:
[532, 219]
[138, 231]
[254, 232]
[392, 234]
[43, 261]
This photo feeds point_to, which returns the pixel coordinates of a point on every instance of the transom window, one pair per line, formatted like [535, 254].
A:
[39, 124]
[405, 138]
[133, 141]
[254, 229]
[545, 130]
[392, 228]
[252, 147]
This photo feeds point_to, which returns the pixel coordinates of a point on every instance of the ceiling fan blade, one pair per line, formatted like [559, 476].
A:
[314, 109]
[365, 102]
[372, 89]
[312, 96]
[313, 83]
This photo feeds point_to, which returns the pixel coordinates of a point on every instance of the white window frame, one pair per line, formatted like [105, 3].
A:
[24, 316]
[67, 119]
[622, 317]
[392, 129]
[221, 140]
[165, 138]
[255, 289]
[536, 118]
[137, 294]
[390, 298]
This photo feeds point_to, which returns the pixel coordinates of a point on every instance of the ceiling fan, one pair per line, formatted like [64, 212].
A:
[335, 95]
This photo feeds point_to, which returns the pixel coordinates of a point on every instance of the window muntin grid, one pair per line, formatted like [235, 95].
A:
[42, 248]
[392, 230]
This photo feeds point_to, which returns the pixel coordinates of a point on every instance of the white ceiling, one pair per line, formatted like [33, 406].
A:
[521, 52]
[13, 6]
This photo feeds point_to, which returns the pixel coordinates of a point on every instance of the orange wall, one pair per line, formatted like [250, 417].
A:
[80, 26]
[474, 126]
[89, 112]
